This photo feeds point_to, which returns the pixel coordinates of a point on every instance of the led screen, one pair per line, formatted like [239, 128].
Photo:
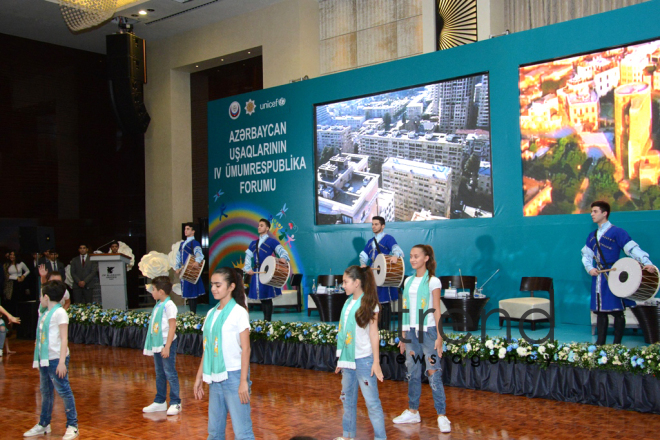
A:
[589, 131]
[416, 154]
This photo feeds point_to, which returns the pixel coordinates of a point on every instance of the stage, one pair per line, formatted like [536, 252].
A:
[111, 385]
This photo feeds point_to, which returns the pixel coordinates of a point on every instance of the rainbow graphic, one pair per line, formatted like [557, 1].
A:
[233, 226]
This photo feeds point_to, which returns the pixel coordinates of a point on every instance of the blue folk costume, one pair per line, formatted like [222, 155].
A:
[190, 248]
[258, 290]
[612, 241]
[386, 245]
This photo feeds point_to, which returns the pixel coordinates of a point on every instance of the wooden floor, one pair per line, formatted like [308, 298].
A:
[111, 385]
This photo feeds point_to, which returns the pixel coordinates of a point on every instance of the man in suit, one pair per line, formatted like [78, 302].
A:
[53, 264]
[85, 277]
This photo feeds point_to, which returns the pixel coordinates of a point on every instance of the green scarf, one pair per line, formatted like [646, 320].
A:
[214, 362]
[154, 342]
[346, 336]
[43, 336]
[423, 296]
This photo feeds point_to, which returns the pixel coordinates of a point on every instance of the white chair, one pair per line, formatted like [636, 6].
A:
[516, 307]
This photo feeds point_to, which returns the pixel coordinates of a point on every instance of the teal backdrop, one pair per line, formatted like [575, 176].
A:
[517, 245]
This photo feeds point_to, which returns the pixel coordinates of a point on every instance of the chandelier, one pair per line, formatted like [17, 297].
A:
[84, 14]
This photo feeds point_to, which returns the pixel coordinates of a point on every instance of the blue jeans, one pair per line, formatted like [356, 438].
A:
[49, 380]
[223, 398]
[414, 368]
[369, 387]
[166, 372]
[3, 334]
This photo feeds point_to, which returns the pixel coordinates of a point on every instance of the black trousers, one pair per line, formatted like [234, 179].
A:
[602, 322]
[192, 303]
[385, 316]
[267, 307]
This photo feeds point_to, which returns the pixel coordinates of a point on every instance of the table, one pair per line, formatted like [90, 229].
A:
[329, 305]
[647, 316]
[465, 312]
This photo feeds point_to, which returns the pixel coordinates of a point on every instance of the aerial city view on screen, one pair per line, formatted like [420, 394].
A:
[410, 155]
[589, 131]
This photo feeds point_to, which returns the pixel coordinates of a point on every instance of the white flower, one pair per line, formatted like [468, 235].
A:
[522, 351]
[154, 264]
[126, 250]
[172, 255]
[489, 344]
[541, 349]
[502, 353]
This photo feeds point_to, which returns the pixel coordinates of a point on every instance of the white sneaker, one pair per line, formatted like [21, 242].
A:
[37, 430]
[408, 417]
[155, 407]
[444, 424]
[174, 410]
[71, 433]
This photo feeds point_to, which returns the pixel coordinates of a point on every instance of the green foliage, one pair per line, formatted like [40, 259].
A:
[387, 121]
[326, 154]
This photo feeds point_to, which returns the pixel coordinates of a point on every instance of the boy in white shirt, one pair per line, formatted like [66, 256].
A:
[51, 357]
[161, 343]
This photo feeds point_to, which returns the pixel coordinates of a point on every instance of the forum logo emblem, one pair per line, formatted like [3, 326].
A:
[234, 110]
[250, 107]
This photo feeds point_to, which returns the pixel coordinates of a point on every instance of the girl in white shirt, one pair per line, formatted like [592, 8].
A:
[226, 360]
[421, 296]
[358, 351]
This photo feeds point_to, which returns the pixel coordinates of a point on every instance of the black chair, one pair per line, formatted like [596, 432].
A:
[295, 284]
[459, 282]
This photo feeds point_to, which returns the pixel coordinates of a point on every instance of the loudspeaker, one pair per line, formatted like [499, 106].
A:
[36, 238]
[127, 74]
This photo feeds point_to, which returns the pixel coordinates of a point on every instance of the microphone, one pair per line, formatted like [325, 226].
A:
[98, 248]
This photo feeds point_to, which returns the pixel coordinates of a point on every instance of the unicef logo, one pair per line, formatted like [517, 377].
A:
[281, 102]
[234, 110]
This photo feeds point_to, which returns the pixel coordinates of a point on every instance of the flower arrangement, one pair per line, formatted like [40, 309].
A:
[154, 264]
[640, 360]
[126, 250]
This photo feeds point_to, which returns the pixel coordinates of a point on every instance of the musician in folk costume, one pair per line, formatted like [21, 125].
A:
[382, 243]
[256, 253]
[604, 247]
[190, 248]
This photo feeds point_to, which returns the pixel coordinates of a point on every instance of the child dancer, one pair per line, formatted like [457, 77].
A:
[421, 293]
[51, 357]
[163, 322]
[358, 351]
[226, 359]
[3, 327]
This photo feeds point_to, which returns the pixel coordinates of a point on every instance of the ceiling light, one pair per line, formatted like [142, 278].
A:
[248, 53]
[196, 66]
[142, 12]
[222, 59]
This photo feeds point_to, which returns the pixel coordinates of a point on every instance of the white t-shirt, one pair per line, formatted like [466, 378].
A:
[169, 313]
[362, 341]
[237, 321]
[54, 343]
[434, 283]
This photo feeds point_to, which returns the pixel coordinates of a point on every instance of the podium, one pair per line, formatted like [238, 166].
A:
[112, 275]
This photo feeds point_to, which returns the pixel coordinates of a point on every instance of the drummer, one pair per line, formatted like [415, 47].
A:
[190, 248]
[258, 251]
[604, 247]
[382, 243]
